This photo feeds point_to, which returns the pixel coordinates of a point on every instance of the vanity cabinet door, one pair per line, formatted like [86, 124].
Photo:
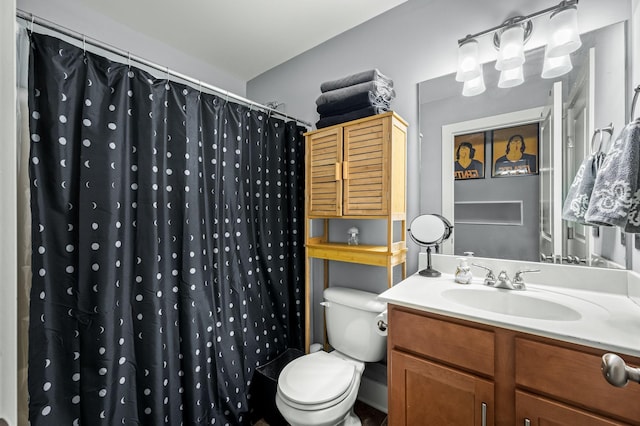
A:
[533, 410]
[426, 393]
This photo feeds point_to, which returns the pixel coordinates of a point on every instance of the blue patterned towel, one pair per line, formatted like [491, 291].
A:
[577, 201]
[615, 199]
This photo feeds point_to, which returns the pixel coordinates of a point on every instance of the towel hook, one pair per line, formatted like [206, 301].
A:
[600, 131]
[633, 102]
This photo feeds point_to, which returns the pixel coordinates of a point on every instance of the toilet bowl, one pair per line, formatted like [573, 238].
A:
[320, 389]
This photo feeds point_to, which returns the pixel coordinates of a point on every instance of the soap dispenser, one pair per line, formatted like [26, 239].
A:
[463, 272]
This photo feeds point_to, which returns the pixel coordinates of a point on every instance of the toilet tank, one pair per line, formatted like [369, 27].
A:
[351, 321]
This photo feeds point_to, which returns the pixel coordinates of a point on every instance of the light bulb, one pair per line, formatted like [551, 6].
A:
[555, 67]
[511, 53]
[511, 78]
[474, 86]
[468, 65]
[565, 37]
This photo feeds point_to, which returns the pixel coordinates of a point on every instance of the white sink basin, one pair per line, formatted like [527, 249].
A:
[512, 302]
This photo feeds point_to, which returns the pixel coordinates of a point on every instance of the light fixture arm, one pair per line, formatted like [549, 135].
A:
[520, 19]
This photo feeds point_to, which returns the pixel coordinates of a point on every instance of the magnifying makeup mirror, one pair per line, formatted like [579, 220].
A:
[429, 230]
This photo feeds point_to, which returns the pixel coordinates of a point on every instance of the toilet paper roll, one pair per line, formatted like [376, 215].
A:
[315, 347]
[381, 325]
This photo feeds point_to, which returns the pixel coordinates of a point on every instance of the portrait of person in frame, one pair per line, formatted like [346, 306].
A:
[469, 156]
[515, 151]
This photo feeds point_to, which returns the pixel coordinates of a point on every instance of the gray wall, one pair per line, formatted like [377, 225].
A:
[413, 42]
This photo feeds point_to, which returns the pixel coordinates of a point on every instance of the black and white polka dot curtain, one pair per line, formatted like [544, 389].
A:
[167, 245]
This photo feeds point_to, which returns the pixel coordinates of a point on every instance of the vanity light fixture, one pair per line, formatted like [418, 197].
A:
[555, 67]
[511, 77]
[474, 86]
[509, 39]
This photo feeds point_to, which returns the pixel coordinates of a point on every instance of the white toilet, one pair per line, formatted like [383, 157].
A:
[320, 389]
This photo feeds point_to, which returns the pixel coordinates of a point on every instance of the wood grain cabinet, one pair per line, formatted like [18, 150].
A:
[449, 371]
[356, 171]
[357, 168]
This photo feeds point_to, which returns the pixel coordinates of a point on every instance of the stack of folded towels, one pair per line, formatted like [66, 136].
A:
[355, 96]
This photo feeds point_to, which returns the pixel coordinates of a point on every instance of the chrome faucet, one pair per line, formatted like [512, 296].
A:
[518, 282]
[503, 281]
[490, 279]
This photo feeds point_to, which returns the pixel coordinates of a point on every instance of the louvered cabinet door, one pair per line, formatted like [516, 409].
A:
[365, 169]
[324, 173]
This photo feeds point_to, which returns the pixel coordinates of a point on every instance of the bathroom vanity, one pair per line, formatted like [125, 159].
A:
[476, 355]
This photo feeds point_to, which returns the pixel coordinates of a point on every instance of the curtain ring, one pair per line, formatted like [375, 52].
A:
[33, 19]
[84, 45]
[226, 98]
[129, 60]
[167, 74]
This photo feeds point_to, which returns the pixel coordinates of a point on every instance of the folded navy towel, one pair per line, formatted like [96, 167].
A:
[361, 77]
[615, 199]
[383, 90]
[356, 101]
[353, 115]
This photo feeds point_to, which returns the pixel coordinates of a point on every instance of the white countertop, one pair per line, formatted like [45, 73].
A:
[609, 321]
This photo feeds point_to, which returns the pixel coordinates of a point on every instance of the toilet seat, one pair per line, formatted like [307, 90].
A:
[316, 381]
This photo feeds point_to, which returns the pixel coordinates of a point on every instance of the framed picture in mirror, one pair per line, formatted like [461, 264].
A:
[469, 156]
[515, 151]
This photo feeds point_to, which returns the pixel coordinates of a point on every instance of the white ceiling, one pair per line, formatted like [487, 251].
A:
[242, 37]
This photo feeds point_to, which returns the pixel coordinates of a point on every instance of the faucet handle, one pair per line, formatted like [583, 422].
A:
[490, 279]
[517, 279]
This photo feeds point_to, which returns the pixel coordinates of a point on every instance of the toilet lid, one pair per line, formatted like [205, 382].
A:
[316, 378]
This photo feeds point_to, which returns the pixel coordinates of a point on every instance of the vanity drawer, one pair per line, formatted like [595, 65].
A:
[573, 376]
[452, 343]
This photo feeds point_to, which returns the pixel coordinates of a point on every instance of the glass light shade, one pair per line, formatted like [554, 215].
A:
[555, 67]
[511, 53]
[511, 78]
[564, 37]
[468, 65]
[474, 86]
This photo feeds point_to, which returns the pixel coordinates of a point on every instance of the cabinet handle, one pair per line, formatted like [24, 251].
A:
[527, 422]
[338, 171]
[345, 170]
[484, 414]
[616, 372]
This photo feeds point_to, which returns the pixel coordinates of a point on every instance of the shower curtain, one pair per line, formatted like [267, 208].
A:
[167, 245]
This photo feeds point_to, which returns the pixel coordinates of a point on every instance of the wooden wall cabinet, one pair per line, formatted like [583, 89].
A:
[449, 371]
[356, 171]
[357, 168]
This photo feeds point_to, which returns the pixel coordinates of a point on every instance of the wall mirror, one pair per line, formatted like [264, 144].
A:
[517, 214]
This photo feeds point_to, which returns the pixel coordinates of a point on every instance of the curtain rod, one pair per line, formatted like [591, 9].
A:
[29, 17]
